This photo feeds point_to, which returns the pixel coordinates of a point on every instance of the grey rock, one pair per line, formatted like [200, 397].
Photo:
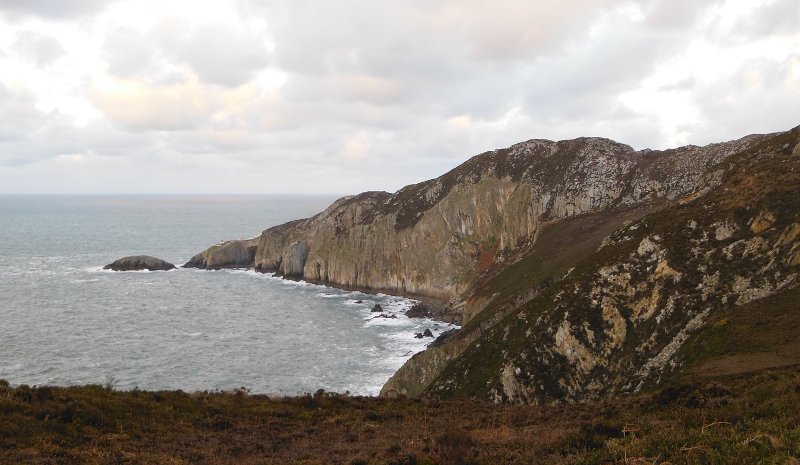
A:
[227, 254]
[139, 263]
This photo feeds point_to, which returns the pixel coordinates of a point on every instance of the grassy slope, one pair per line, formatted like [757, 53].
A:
[762, 334]
[745, 419]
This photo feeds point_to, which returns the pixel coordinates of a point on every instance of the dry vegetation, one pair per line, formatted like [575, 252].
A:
[751, 418]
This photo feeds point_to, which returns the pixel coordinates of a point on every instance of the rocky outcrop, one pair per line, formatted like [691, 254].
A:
[227, 254]
[139, 263]
[617, 320]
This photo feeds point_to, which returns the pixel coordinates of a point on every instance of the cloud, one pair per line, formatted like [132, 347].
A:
[136, 106]
[776, 17]
[52, 9]
[677, 14]
[761, 96]
[314, 96]
[219, 54]
[129, 53]
[18, 114]
[42, 49]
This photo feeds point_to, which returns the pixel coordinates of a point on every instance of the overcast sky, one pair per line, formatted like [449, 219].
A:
[343, 96]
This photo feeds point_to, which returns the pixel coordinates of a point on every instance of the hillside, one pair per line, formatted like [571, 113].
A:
[743, 419]
[434, 239]
[617, 319]
[618, 307]
[579, 269]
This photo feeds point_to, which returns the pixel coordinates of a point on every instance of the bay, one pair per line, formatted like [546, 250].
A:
[65, 321]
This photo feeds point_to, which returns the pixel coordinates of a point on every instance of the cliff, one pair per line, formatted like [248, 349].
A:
[578, 268]
[436, 238]
[627, 314]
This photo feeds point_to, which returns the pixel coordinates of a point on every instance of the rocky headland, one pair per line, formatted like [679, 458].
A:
[140, 263]
[579, 269]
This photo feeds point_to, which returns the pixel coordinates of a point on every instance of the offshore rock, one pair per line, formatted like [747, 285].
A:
[139, 263]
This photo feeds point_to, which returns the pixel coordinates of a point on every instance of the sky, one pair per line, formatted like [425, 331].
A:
[344, 96]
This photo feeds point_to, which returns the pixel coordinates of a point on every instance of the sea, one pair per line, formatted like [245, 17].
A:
[65, 321]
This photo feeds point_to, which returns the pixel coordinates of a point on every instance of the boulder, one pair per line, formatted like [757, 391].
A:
[418, 311]
[377, 309]
[138, 263]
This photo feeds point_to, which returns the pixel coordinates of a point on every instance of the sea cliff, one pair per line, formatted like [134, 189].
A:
[566, 262]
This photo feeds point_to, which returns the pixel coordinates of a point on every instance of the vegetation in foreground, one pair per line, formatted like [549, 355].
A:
[751, 418]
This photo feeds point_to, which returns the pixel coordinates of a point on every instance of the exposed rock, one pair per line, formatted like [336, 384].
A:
[619, 320]
[437, 237]
[418, 311]
[227, 254]
[513, 240]
[139, 263]
[443, 338]
[427, 333]
[377, 309]
[383, 315]
[764, 220]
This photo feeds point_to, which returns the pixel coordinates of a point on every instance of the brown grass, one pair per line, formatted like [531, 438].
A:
[751, 418]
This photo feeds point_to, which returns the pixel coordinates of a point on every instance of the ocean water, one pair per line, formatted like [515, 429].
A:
[65, 321]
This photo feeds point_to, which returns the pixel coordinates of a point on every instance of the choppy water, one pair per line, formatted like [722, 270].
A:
[65, 321]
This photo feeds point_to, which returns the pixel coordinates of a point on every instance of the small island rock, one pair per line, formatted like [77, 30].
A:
[377, 309]
[138, 263]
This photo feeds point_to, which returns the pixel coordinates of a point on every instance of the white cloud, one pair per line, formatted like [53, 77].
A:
[315, 96]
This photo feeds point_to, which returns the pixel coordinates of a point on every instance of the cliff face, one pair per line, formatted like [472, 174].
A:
[580, 267]
[616, 320]
[435, 238]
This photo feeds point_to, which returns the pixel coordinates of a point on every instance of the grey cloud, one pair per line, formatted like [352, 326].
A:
[128, 53]
[52, 9]
[577, 85]
[218, 55]
[29, 136]
[762, 97]
[677, 14]
[684, 84]
[775, 18]
[42, 49]
[395, 38]
[18, 114]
